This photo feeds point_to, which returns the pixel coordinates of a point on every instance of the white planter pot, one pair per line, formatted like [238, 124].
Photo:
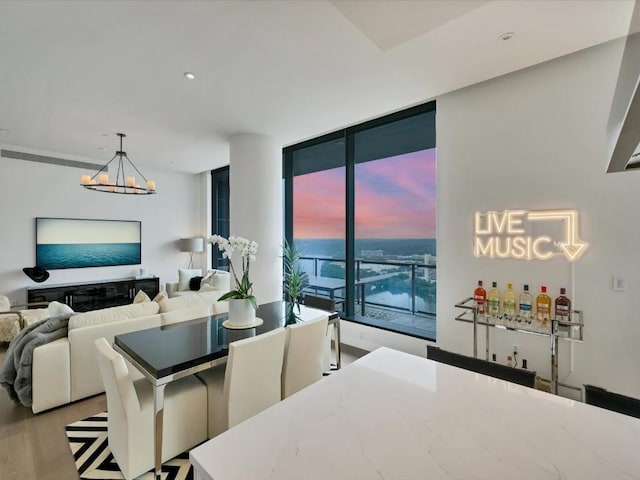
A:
[241, 312]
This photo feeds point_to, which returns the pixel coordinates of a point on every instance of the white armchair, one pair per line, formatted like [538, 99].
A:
[130, 406]
[12, 320]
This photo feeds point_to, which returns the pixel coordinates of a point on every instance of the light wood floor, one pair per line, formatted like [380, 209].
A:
[35, 447]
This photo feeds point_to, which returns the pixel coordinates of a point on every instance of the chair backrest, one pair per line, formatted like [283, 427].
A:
[492, 369]
[303, 355]
[122, 400]
[323, 303]
[612, 401]
[252, 380]
[118, 385]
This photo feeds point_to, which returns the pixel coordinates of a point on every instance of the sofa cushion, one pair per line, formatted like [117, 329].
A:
[209, 279]
[180, 294]
[192, 300]
[113, 314]
[141, 297]
[35, 315]
[57, 308]
[216, 280]
[162, 295]
[185, 276]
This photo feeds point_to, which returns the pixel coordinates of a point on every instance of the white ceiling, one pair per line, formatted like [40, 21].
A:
[71, 71]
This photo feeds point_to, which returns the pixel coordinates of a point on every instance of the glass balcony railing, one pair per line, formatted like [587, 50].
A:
[396, 295]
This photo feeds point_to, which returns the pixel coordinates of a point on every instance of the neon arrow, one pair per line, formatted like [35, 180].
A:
[572, 246]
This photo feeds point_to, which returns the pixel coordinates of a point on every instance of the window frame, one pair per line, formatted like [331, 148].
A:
[348, 136]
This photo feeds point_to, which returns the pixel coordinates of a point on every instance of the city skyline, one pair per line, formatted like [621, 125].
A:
[395, 198]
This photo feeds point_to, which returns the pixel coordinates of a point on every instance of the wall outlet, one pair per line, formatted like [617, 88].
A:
[515, 349]
[619, 284]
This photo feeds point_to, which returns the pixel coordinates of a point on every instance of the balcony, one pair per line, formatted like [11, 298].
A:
[395, 296]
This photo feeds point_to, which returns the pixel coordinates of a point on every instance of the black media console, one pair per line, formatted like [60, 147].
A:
[83, 297]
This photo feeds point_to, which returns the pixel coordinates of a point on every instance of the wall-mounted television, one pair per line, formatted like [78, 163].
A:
[79, 243]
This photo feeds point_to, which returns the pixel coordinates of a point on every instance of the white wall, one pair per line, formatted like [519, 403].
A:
[29, 190]
[534, 140]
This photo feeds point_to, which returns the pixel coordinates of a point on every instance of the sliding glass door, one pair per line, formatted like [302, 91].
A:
[361, 205]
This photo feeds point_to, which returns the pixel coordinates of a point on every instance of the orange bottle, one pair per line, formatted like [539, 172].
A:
[480, 299]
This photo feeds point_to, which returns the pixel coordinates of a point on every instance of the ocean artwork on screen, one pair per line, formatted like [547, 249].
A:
[78, 243]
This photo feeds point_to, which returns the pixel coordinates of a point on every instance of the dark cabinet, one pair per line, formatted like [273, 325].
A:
[83, 297]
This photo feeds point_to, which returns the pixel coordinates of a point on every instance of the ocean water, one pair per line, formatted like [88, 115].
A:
[334, 247]
[53, 256]
[386, 249]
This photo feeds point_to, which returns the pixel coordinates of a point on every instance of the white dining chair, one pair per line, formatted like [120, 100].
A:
[130, 425]
[250, 382]
[328, 305]
[303, 355]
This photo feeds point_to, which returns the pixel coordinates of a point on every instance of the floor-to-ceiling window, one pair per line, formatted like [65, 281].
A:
[220, 213]
[360, 204]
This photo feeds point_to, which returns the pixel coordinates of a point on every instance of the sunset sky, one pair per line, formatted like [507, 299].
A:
[395, 198]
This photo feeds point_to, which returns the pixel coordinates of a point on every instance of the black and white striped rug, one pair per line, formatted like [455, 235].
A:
[89, 445]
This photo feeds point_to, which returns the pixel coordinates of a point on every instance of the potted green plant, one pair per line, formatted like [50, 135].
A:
[295, 280]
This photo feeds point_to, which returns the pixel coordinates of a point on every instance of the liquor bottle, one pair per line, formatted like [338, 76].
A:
[525, 305]
[562, 312]
[494, 300]
[480, 298]
[543, 308]
[509, 302]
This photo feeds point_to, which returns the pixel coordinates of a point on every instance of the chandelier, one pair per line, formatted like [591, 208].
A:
[123, 184]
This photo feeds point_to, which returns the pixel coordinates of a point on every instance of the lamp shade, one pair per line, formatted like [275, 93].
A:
[193, 245]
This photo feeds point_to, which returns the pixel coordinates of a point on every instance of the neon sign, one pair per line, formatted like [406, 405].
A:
[505, 235]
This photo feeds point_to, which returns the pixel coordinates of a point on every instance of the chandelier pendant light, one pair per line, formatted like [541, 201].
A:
[124, 184]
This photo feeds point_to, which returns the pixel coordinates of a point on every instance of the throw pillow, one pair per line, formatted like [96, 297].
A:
[209, 279]
[57, 308]
[141, 297]
[185, 275]
[194, 283]
[161, 296]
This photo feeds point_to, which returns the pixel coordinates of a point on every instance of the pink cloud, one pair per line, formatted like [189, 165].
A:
[395, 198]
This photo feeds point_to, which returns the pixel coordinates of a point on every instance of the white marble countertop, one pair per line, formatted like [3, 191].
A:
[391, 415]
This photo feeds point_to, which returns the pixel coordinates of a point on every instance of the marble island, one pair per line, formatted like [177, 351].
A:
[391, 415]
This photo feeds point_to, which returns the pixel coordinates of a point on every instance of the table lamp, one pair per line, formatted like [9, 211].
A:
[192, 245]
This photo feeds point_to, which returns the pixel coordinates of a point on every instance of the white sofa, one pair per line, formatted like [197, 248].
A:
[218, 280]
[67, 369]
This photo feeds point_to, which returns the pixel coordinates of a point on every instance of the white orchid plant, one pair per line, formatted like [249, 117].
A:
[247, 250]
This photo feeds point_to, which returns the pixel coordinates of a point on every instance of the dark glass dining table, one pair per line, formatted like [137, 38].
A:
[170, 352]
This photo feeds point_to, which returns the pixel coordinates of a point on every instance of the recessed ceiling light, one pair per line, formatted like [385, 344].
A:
[101, 148]
[505, 37]
[189, 75]
[4, 130]
[104, 134]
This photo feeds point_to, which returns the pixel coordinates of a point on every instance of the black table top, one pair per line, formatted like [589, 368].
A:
[170, 349]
